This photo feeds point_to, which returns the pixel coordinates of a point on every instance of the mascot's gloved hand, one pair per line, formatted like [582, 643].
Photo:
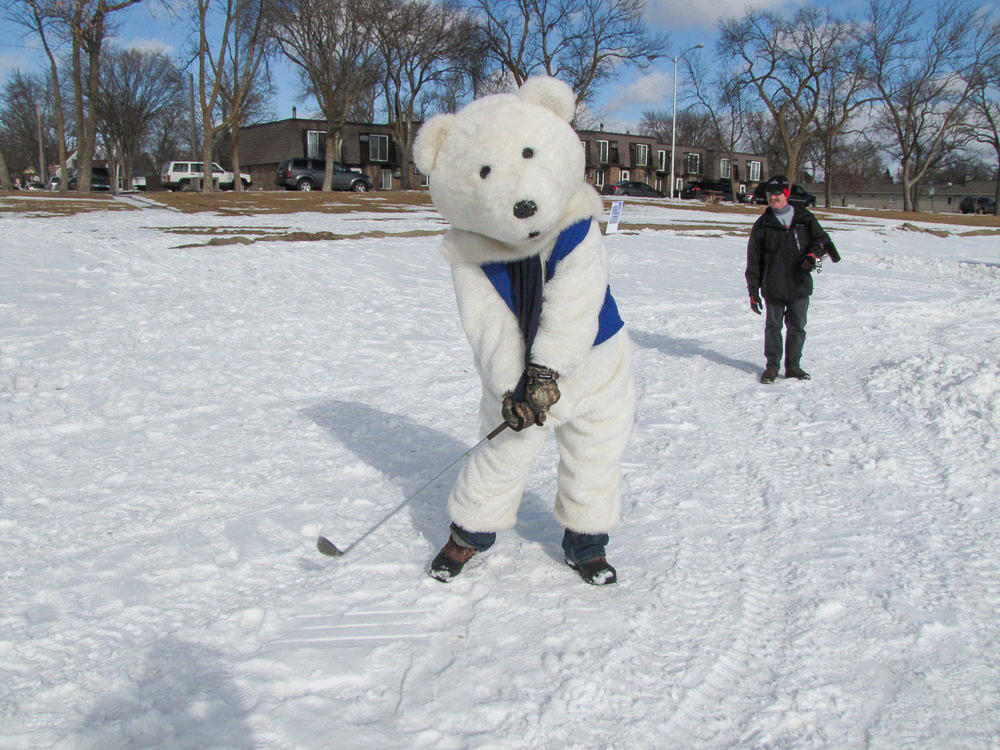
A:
[755, 304]
[541, 391]
[517, 414]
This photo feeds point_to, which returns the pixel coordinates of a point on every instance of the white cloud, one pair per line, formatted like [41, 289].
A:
[149, 45]
[649, 91]
[672, 14]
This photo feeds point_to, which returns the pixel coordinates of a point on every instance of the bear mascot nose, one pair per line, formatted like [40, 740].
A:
[524, 209]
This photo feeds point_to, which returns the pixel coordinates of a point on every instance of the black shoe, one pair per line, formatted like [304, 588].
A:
[450, 561]
[597, 572]
[797, 373]
[769, 375]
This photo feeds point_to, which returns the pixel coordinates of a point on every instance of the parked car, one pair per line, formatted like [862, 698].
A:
[100, 179]
[981, 205]
[799, 196]
[307, 174]
[708, 190]
[631, 187]
[180, 175]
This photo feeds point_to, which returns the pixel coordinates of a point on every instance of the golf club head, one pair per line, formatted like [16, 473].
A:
[327, 547]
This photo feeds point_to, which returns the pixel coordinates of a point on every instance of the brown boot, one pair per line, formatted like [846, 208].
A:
[450, 560]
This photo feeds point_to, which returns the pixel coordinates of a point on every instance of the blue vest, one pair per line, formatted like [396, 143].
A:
[609, 322]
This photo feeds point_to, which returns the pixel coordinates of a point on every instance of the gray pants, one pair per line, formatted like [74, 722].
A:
[793, 315]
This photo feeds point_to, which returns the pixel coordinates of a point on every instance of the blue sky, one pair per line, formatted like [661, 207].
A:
[619, 106]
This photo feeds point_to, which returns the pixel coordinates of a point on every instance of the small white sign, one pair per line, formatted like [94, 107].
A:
[616, 214]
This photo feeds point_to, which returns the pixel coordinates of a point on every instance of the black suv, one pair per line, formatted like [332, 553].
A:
[799, 197]
[307, 174]
[100, 179]
[981, 205]
[632, 187]
[708, 190]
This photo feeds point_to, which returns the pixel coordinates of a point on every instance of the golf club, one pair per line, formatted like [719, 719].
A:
[330, 549]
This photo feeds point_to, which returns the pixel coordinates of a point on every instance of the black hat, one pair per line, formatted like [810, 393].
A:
[777, 184]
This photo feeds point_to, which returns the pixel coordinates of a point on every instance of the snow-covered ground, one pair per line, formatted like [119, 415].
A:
[802, 565]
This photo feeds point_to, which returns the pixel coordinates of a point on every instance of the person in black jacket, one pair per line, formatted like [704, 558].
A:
[785, 244]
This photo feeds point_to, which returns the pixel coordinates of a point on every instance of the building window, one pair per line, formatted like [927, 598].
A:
[724, 168]
[378, 147]
[602, 152]
[386, 179]
[693, 162]
[661, 160]
[754, 168]
[599, 178]
[641, 154]
[625, 175]
[315, 144]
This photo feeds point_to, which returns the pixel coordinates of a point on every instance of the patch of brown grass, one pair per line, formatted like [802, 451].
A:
[38, 205]
[238, 239]
[277, 202]
[285, 202]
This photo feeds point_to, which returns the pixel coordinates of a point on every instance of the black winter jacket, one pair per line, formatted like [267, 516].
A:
[775, 255]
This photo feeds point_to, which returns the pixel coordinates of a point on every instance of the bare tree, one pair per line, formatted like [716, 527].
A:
[244, 74]
[583, 42]
[924, 78]
[724, 100]
[984, 123]
[19, 121]
[333, 43]
[137, 88]
[424, 46]
[694, 128]
[37, 17]
[844, 97]
[853, 166]
[210, 66]
[89, 23]
[787, 63]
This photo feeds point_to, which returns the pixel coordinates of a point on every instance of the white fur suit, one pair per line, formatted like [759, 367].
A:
[497, 153]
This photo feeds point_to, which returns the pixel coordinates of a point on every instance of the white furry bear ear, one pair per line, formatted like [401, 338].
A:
[550, 93]
[428, 141]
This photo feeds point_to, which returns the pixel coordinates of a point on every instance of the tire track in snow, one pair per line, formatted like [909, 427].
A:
[725, 559]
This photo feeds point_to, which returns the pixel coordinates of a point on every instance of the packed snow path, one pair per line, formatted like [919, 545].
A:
[802, 565]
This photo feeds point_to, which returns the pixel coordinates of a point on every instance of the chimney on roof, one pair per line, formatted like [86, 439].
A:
[294, 115]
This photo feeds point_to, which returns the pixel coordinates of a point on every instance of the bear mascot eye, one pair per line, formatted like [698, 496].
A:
[528, 153]
[484, 172]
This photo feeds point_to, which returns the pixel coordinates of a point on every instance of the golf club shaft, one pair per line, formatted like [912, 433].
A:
[500, 428]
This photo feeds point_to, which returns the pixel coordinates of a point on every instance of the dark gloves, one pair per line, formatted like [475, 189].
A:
[755, 303]
[809, 262]
[540, 392]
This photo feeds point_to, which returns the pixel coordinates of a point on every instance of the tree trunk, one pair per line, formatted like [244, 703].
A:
[4, 174]
[89, 146]
[78, 96]
[59, 115]
[237, 182]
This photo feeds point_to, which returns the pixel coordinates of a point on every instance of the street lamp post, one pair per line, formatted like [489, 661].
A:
[673, 117]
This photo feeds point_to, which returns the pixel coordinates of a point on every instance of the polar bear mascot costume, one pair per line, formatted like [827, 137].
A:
[531, 280]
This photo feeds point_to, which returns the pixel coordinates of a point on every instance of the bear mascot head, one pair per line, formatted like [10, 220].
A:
[508, 167]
